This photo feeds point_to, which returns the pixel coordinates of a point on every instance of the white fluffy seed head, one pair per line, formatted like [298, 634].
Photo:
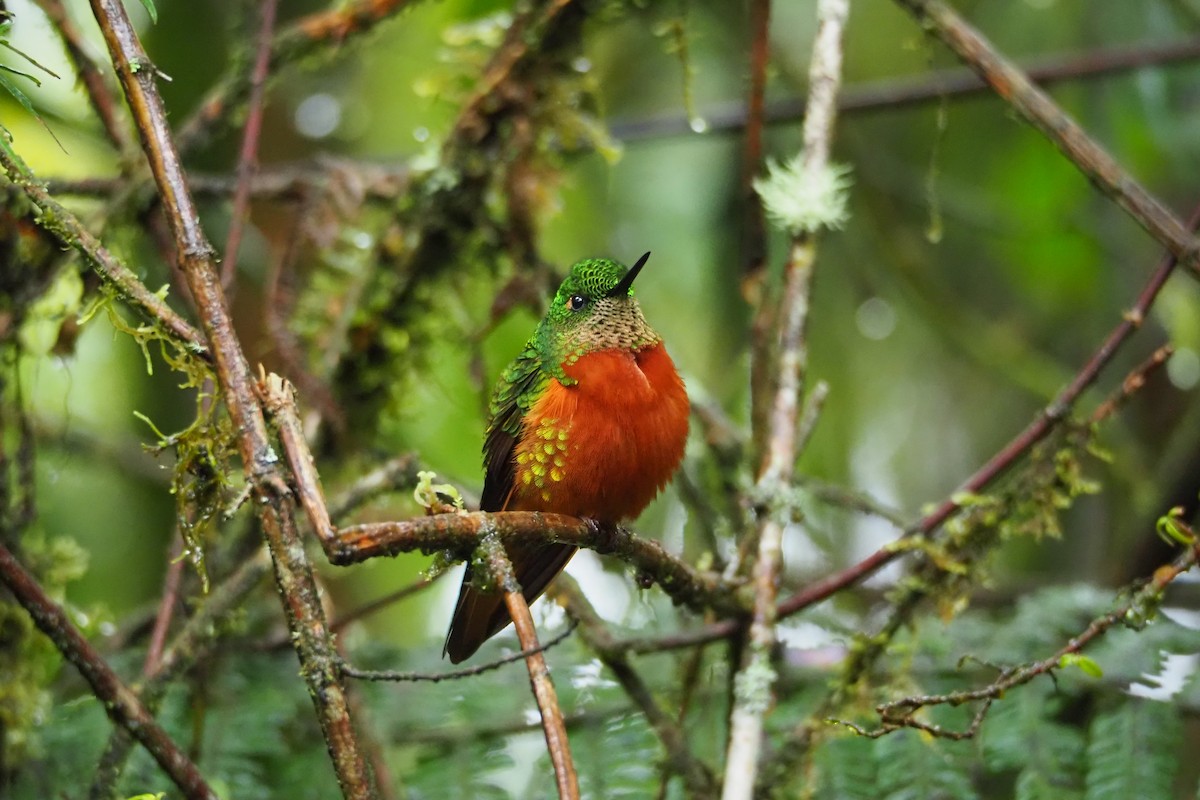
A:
[802, 200]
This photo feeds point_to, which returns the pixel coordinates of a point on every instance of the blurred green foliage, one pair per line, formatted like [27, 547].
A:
[978, 271]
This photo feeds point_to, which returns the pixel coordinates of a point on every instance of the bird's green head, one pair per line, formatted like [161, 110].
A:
[594, 309]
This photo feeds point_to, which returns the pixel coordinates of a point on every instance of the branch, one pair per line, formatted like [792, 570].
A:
[264, 476]
[898, 714]
[103, 102]
[697, 777]
[754, 234]
[931, 87]
[500, 571]
[453, 675]
[753, 683]
[1037, 430]
[71, 233]
[120, 703]
[1007, 80]
[277, 182]
[247, 163]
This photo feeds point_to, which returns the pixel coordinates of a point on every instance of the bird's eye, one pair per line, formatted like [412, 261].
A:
[576, 301]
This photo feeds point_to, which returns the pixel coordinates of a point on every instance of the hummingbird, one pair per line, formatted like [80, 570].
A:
[590, 420]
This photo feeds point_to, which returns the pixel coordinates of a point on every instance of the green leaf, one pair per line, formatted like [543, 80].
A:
[151, 10]
[1084, 663]
[1173, 530]
[1132, 751]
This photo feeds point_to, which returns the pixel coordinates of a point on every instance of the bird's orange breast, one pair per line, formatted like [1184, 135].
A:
[605, 445]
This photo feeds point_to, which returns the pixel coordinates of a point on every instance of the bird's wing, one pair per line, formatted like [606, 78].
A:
[479, 615]
[515, 394]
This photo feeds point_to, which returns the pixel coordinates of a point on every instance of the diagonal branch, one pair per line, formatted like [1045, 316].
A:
[553, 725]
[119, 702]
[101, 97]
[696, 775]
[1014, 86]
[248, 157]
[70, 232]
[306, 618]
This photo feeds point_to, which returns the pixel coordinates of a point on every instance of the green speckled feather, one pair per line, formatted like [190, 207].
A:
[519, 387]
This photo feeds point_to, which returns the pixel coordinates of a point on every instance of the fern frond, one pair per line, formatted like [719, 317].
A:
[914, 767]
[846, 768]
[1132, 752]
[1021, 734]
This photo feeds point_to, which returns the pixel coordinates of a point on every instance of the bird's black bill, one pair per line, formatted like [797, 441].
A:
[622, 288]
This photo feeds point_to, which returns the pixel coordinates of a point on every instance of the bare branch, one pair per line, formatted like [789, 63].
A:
[754, 682]
[119, 702]
[293, 572]
[1035, 105]
[553, 725]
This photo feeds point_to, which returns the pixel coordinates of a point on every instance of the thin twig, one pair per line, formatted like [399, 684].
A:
[553, 725]
[754, 234]
[119, 702]
[273, 182]
[397, 473]
[697, 777]
[247, 163]
[453, 675]
[264, 476]
[1015, 87]
[101, 97]
[1134, 381]
[930, 87]
[754, 681]
[166, 604]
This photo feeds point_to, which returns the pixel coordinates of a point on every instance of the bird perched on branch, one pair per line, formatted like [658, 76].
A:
[590, 420]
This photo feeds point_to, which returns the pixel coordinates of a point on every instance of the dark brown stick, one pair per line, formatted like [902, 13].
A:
[103, 102]
[247, 163]
[119, 702]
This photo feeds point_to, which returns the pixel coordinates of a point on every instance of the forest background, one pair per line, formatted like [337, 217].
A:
[984, 498]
